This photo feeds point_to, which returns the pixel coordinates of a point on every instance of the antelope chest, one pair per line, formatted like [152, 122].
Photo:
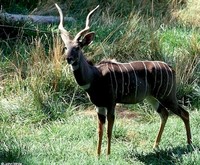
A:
[100, 94]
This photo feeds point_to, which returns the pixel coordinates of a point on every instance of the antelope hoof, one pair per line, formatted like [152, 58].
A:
[156, 146]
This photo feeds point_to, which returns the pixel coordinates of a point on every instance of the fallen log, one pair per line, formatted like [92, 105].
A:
[12, 25]
[19, 18]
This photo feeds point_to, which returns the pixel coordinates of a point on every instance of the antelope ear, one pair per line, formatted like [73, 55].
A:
[87, 39]
[65, 38]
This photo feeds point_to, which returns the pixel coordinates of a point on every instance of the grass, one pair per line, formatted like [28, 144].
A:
[73, 140]
[45, 118]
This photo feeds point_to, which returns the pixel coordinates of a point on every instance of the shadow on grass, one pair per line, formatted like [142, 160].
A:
[168, 156]
[13, 154]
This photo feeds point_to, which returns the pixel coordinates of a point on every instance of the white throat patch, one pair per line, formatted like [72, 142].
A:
[74, 67]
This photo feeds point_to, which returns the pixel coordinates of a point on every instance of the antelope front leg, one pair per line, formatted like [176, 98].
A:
[101, 121]
[110, 118]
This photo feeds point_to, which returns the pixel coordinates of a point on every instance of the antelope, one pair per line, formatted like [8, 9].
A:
[111, 82]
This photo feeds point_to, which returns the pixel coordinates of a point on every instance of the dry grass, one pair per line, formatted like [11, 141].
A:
[190, 14]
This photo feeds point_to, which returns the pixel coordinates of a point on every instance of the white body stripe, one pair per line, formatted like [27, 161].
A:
[116, 84]
[122, 79]
[128, 85]
[111, 81]
[155, 78]
[145, 93]
[136, 81]
[172, 82]
[161, 79]
[167, 83]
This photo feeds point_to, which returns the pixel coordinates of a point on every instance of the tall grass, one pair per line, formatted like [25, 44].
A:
[189, 15]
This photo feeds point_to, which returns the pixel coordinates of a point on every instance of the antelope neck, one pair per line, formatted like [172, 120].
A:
[75, 66]
[83, 73]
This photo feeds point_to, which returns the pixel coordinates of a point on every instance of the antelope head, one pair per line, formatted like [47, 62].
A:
[73, 46]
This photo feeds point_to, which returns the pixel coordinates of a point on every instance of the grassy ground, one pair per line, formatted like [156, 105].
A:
[45, 118]
[73, 140]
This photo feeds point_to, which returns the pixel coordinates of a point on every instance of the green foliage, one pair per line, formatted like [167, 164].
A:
[19, 6]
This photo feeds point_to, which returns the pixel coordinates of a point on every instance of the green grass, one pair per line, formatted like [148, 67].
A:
[44, 115]
[73, 141]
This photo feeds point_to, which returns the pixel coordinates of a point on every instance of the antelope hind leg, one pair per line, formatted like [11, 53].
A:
[111, 119]
[101, 122]
[162, 111]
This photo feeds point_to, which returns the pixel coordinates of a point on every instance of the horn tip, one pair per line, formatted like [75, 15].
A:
[57, 6]
[97, 7]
